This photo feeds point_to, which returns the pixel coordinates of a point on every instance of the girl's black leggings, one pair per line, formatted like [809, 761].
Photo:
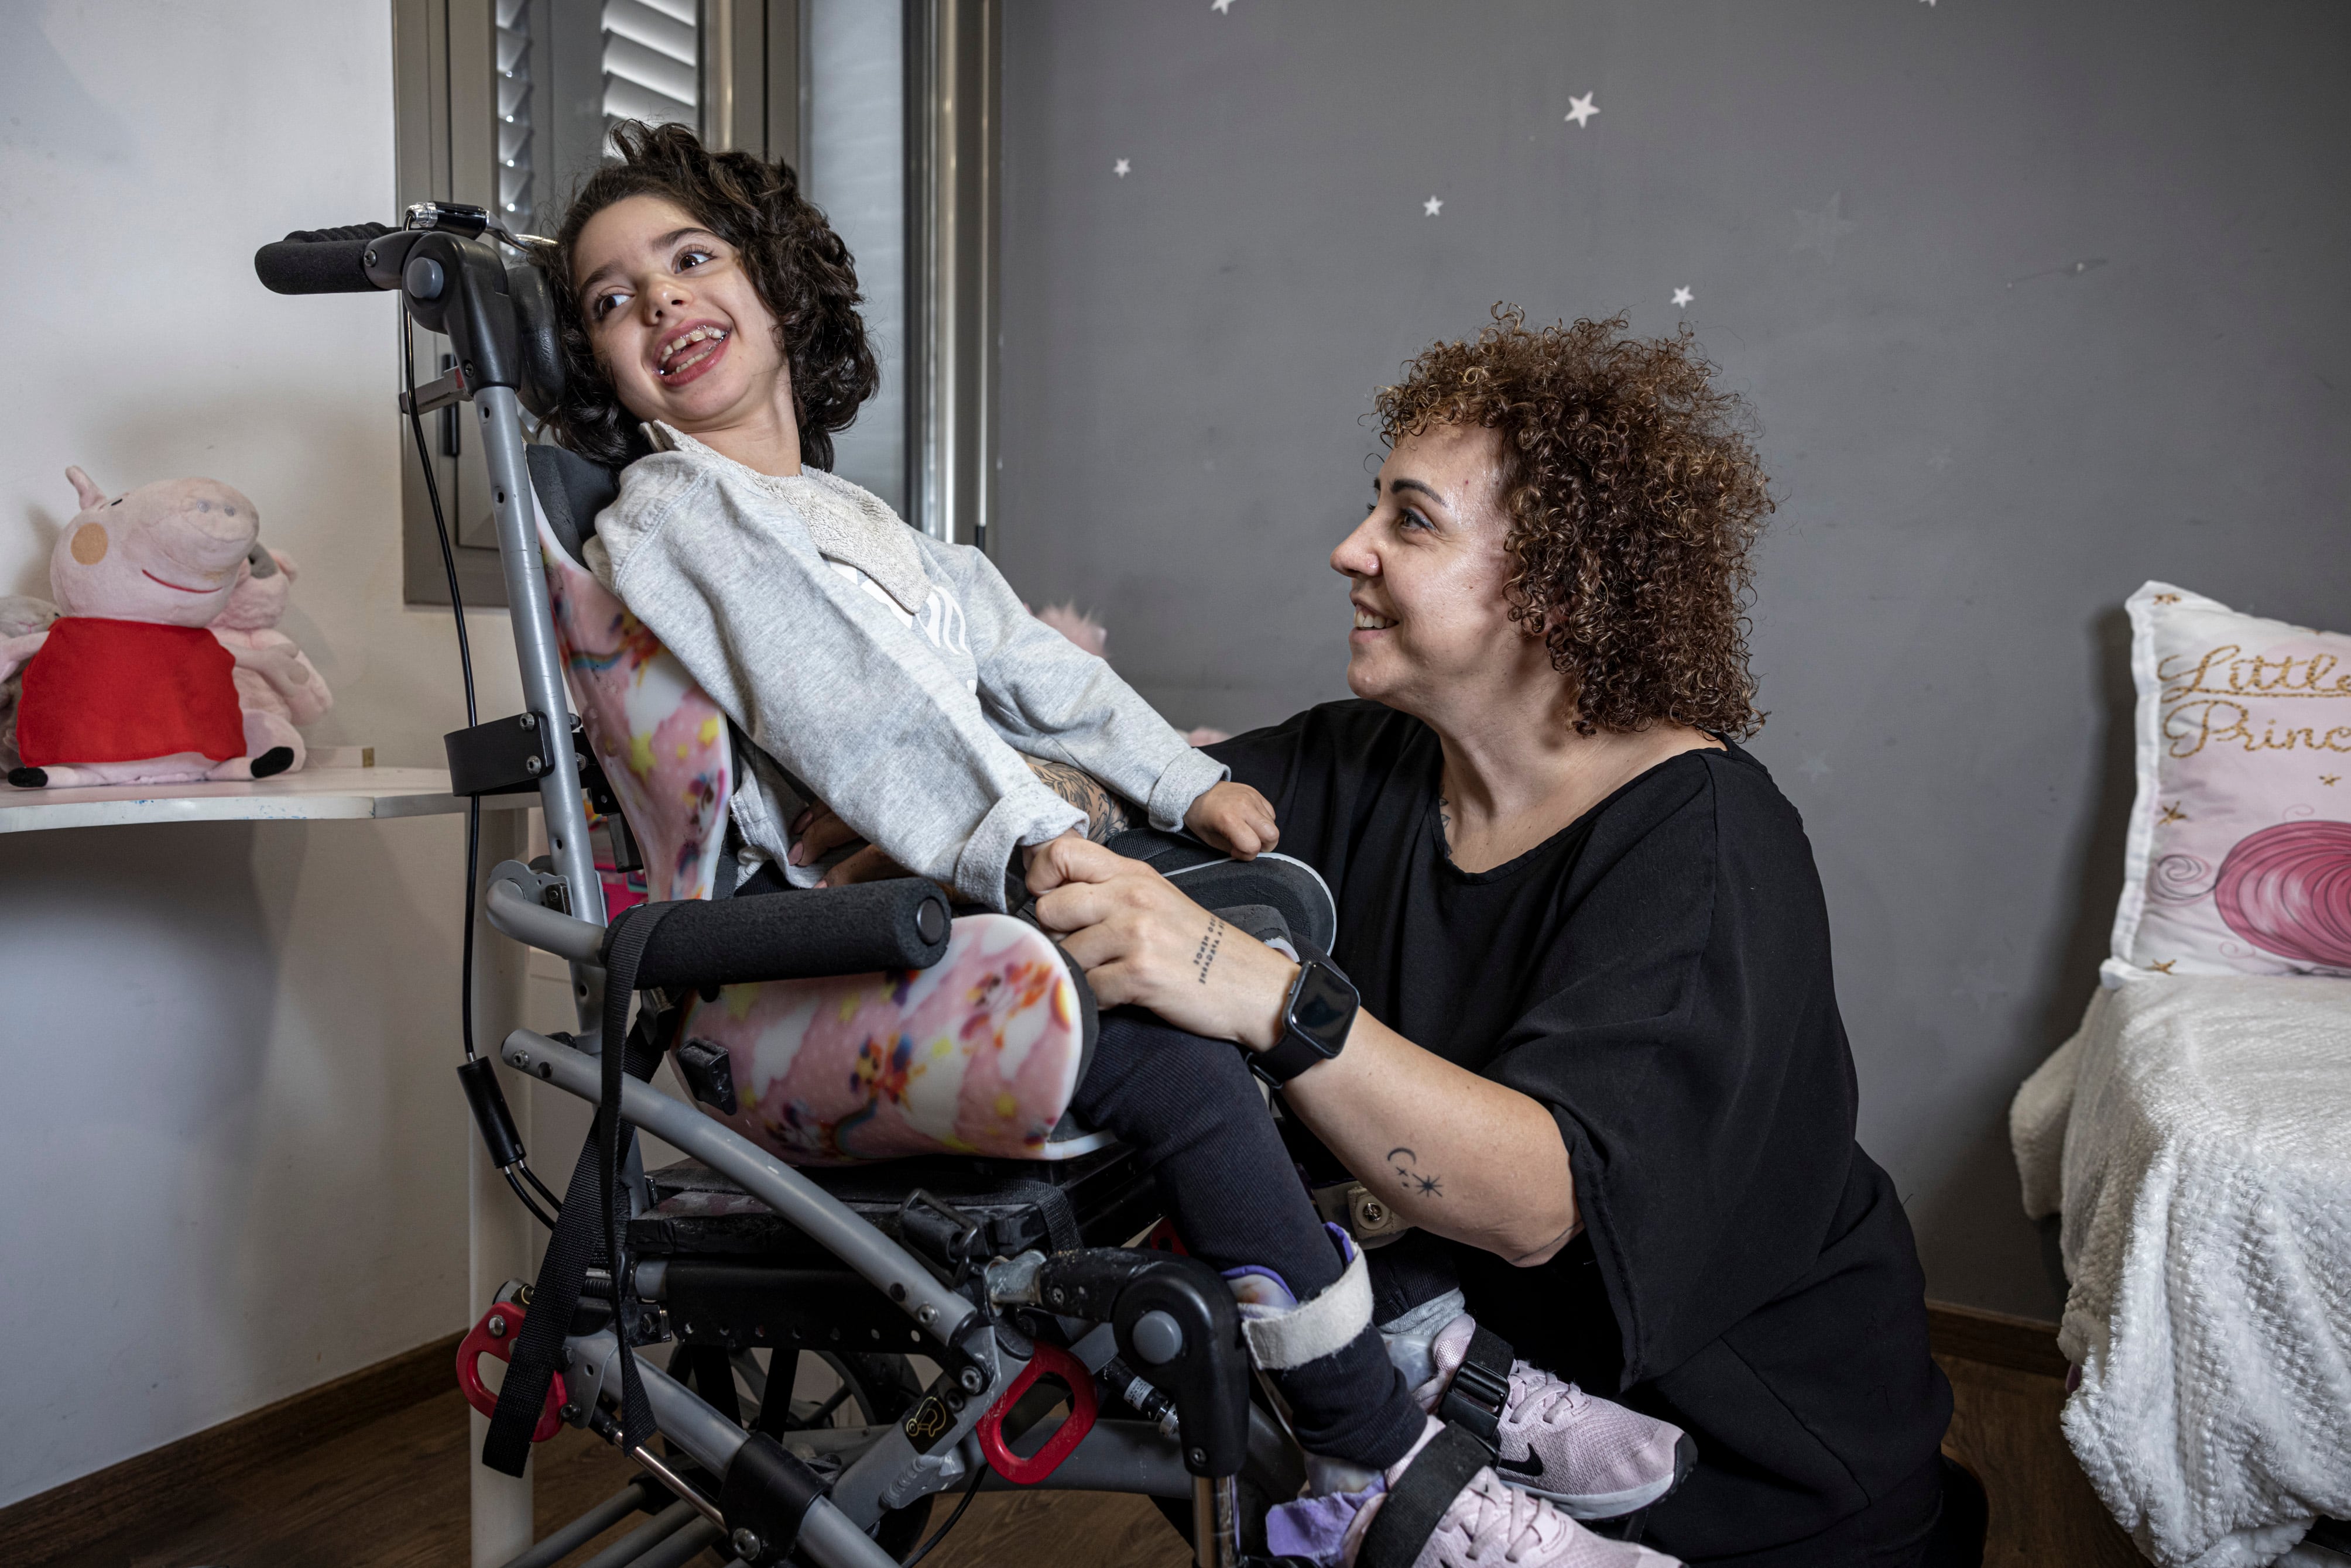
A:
[1191, 1110]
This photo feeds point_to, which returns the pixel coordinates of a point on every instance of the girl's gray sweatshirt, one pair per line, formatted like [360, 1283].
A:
[899, 679]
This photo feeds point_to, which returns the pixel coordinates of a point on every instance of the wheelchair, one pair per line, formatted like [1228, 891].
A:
[977, 1232]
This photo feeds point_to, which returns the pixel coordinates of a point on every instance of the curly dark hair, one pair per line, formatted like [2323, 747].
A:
[802, 270]
[1634, 498]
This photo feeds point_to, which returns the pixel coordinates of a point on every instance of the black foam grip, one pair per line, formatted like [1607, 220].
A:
[318, 261]
[898, 925]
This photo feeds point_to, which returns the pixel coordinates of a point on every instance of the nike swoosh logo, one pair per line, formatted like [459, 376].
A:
[1529, 1466]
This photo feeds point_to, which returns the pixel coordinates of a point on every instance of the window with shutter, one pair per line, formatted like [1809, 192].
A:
[653, 61]
[509, 103]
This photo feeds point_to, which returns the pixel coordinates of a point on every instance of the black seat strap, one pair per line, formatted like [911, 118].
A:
[624, 946]
[1416, 1504]
[593, 1226]
[1053, 1204]
[555, 1296]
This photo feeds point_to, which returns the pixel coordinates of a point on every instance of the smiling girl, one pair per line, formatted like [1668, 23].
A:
[713, 345]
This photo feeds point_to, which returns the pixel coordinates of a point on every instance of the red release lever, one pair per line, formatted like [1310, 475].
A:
[496, 1335]
[1028, 1472]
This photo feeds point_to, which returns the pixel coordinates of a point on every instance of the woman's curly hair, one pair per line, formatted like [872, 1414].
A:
[800, 268]
[1634, 498]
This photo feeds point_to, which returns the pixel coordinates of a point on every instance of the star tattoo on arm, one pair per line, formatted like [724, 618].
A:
[1420, 1183]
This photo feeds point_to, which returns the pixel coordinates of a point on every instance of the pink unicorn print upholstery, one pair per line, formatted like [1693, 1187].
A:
[978, 1054]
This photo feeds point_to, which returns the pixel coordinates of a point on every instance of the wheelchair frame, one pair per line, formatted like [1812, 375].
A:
[1168, 1319]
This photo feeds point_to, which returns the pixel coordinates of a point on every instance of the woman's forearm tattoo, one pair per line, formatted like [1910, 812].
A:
[1417, 1182]
[1205, 955]
[1106, 814]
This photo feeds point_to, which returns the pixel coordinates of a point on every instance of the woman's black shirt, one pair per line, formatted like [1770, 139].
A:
[1658, 975]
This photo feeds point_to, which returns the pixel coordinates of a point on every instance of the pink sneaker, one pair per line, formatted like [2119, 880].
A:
[1489, 1522]
[1594, 1458]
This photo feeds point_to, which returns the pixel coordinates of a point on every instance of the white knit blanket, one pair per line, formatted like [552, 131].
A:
[2195, 1135]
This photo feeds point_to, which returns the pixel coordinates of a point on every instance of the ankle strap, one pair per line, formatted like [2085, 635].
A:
[1417, 1501]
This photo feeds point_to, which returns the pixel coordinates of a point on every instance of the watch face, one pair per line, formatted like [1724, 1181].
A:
[1324, 1009]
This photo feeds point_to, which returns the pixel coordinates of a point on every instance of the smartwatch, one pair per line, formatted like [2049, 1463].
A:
[1314, 1021]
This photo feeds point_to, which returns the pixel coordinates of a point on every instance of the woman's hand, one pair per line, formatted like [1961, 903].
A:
[1140, 941]
[1235, 819]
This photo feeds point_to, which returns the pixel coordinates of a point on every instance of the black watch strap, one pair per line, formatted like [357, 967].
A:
[1297, 1050]
[1292, 1055]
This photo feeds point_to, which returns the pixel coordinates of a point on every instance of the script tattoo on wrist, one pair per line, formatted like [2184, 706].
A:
[1417, 1182]
[1106, 814]
[1205, 955]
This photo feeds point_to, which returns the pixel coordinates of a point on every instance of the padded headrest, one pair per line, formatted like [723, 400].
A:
[540, 352]
[572, 490]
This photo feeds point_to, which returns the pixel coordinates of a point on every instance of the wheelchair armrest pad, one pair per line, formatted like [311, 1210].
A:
[900, 924]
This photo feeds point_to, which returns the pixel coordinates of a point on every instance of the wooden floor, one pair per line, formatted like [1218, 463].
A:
[392, 1495]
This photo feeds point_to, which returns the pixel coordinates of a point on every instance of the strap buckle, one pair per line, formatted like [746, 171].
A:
[1480, 1388]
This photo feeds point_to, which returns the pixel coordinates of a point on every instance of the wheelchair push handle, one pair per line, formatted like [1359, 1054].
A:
[327, 261]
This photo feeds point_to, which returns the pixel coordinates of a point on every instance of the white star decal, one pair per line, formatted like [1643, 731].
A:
[1682, 297]
[1580, 109]
[1220, 6]
[1820, 230]
[1122, 168]
[1431, 206]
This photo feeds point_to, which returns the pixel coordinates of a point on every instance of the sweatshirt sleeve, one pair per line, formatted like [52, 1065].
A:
[824, 679]
[1056, 701]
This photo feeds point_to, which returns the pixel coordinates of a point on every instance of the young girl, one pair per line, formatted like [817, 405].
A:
[713, 345]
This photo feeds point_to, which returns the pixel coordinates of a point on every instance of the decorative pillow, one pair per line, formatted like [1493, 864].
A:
[2238, 859]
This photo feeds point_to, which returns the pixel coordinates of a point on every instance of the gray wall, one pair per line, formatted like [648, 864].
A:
[2035, 301]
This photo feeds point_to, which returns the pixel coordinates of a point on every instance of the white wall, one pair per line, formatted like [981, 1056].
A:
[232, 1147]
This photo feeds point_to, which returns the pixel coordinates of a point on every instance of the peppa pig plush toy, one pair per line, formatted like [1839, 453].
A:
[20, 615]
[281, 688]
[128, 686]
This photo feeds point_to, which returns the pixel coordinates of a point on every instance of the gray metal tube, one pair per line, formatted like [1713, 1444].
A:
[1117, 1456]
[534, 925]
[1131, 1456]
[829, 1538]
[685, 1419]
[645, 1537]
[582, 1529]
[681, 1548]
[535, 646]
[826, 1535]
[823, 1218]
[1216, 1522]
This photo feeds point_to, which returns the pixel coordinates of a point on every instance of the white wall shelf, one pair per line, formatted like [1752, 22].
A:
[320, 794]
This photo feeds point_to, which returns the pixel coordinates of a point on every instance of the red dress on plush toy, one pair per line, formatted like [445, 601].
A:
[128, 686]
